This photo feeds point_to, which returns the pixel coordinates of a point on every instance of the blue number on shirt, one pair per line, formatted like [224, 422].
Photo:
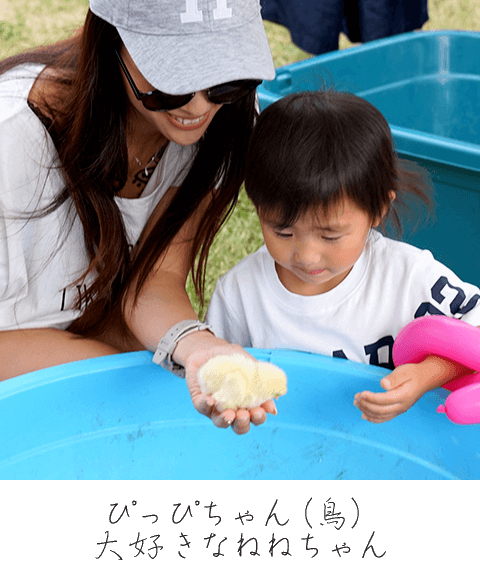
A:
[372, 350]
[339, 354]
[455, 304]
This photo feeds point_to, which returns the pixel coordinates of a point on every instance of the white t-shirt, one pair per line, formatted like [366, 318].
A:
[391, 284]
[36, 270]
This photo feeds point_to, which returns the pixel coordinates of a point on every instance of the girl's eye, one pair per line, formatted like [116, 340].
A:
[331, 239]
[279, 234]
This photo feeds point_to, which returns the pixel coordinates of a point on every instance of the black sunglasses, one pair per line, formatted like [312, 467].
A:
[227, 93]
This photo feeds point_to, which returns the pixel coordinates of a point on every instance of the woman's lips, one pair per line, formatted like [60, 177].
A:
[188, 124]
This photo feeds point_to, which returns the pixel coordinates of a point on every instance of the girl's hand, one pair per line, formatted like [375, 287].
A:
[405, 385]
[403, 389]
[239, 420]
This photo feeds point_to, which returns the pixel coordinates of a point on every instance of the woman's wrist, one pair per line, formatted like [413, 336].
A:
[200, 340]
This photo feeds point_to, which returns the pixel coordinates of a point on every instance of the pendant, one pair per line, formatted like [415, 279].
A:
[142, 177]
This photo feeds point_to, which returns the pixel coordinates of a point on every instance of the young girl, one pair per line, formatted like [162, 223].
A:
[121, 154]
[322, 174]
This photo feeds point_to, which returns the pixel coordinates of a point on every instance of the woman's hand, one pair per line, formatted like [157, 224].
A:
[239, 420]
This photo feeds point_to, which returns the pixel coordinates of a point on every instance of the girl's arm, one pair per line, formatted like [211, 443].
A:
[163, 302]
[405, 385]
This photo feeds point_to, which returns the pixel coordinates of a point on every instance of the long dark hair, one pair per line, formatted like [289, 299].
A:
[88, 126]
[313, 149]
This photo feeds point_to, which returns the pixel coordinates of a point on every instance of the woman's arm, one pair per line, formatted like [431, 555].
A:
[163, 302]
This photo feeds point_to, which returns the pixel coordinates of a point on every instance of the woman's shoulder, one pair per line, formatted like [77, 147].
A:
[15, 87]
[26, 148]
[19, 123]
[32, 86]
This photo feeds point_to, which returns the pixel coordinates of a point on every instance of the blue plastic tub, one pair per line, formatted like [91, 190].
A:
[122, 417]
[427, 85]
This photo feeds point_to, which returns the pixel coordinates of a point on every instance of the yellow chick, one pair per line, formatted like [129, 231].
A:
[236, 381]
[270, 382]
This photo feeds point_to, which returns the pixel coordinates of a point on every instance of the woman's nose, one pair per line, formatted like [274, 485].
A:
[199, 104]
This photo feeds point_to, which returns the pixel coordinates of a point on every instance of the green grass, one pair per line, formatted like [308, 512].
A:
[240, 236]
[27, 23]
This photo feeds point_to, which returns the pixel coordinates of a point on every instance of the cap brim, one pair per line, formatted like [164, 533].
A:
[179, 64]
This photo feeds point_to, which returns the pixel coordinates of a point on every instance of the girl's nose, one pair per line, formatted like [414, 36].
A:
[308, 253]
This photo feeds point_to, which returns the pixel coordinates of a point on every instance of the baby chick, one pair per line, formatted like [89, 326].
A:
[236, 381]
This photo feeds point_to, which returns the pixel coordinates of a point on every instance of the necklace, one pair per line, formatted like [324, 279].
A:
[155, 158]
[141, 178]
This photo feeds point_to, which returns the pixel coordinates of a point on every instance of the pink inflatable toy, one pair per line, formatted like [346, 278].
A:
[452, 339]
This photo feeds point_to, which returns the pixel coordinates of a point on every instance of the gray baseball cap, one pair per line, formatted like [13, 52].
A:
[183, 46]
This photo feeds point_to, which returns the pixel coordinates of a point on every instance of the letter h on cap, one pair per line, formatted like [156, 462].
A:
[193, 14]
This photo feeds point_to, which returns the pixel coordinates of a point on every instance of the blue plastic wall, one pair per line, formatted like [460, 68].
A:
[123, 417]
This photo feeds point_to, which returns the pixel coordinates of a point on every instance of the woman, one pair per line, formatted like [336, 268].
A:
[120, 160]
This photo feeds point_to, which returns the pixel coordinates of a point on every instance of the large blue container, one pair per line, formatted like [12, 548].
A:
[427, 85]
[122, 417]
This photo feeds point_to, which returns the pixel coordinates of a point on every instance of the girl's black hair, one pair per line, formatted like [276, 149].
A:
[313, 149]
